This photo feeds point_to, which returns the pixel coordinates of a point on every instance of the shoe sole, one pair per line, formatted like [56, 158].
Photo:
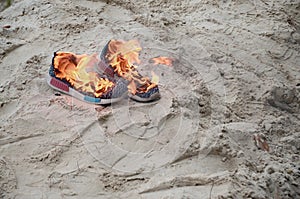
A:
[153, 97]
[58, 85]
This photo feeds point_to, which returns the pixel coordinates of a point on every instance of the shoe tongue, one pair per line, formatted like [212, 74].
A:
[105, 69]
[103, 66]
[104, 52]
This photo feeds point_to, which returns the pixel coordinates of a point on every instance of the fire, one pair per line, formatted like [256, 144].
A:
[162, 60]
[122, 55]
[155, 78]
[78, 70]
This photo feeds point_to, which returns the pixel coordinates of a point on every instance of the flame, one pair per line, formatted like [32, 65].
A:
[155, 78]
[122, 55]
[78, 71]
[163, 60]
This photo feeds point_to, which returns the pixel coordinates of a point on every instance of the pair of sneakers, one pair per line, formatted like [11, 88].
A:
[96, 79]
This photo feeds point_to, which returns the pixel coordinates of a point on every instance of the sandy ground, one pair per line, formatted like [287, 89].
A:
[236, 74]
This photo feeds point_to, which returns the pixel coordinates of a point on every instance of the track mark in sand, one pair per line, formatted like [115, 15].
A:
[53, 154]
[287, 54]
[12, 48]
[8, 180]
[118, 160]
[284, 98]
[135, 134]
[17, 139]
[192, 151]
[113, 182]
[87, 128]
[185, 181]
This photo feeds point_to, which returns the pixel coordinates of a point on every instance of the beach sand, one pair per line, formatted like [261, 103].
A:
[235, 77]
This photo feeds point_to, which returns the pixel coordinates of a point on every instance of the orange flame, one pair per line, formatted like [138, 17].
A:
[155, 78]
[122, 56]
[163, 60]
[78, 70]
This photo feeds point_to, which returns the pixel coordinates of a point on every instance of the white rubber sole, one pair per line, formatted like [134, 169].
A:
[153, 97]
[60, 86]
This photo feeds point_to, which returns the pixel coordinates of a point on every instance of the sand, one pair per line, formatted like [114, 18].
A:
[236, 74]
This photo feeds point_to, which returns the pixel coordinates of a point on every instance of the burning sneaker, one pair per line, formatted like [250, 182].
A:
[86, 78]
[121, 56]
